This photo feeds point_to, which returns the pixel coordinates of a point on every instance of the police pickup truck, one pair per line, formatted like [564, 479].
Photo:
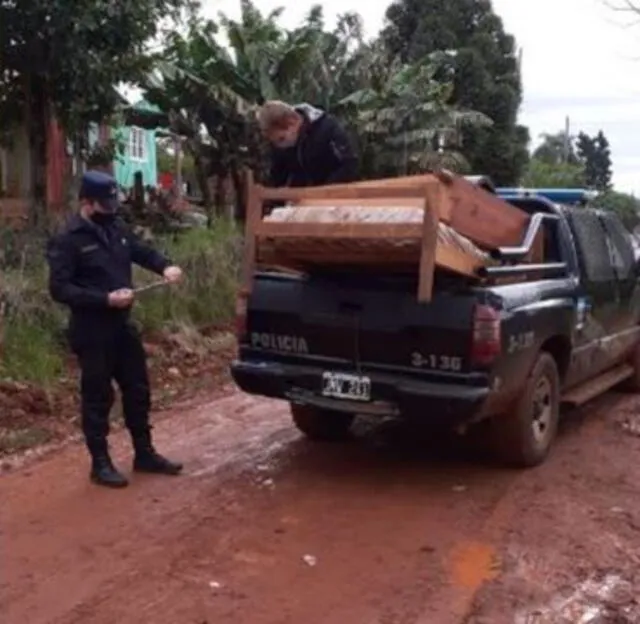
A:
[506, 351]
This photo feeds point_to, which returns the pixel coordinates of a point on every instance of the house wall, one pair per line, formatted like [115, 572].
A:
[126, 165]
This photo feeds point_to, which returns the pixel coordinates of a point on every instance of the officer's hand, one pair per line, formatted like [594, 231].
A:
[122, 298]
[173, 274]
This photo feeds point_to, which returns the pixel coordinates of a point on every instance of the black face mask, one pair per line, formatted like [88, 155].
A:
[103, 218]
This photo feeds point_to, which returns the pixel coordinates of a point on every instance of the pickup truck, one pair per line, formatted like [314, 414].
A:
[501, 354]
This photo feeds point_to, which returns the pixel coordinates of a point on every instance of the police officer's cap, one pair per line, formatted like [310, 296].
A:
[100, 187]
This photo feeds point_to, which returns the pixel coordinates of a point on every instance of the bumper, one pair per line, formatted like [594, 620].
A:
[437, 402]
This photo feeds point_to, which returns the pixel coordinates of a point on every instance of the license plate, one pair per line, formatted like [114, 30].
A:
[346, 386]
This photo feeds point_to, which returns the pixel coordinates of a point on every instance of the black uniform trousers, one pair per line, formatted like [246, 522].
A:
[116, 355]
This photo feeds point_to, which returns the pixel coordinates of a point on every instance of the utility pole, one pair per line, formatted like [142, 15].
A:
[520, 62]
[566, 147]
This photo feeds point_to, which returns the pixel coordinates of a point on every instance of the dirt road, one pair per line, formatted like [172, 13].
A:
[266, 528]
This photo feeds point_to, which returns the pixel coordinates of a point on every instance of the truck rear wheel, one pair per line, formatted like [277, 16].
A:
[321, 424]
[523, 438]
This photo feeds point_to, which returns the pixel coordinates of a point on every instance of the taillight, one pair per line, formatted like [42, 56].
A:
[241, 316]
[487, 343]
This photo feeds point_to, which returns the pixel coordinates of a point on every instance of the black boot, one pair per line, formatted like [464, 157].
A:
[103, 472]
[148, 460]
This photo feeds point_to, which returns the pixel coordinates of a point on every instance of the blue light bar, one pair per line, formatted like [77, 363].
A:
[555, 195]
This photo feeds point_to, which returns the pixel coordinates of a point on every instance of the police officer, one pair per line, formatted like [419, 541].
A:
[90, 270]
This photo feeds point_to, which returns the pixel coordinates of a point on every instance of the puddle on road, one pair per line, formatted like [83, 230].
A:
[472, 564]
[602, 599]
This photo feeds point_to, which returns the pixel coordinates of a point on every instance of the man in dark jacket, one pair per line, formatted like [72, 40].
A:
[90, 271]
[309, 146]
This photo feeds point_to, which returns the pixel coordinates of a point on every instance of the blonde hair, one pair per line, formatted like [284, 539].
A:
[275, 115]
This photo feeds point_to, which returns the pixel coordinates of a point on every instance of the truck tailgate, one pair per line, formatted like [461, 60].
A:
[367, 322]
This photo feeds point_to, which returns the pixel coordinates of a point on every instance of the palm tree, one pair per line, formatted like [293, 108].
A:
[263, 53]
[404, 116]
[399, 113]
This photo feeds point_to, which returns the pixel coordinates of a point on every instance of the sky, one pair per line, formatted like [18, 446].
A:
[581, 59]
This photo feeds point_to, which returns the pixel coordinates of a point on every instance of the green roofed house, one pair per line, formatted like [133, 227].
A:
[138, 137]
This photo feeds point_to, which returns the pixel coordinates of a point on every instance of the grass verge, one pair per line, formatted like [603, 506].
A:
[32, 330]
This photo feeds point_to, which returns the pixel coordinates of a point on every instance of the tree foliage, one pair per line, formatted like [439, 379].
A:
[580, 162]
[543, 174]
[557, 149]
[399, 112]
[486, 79]
[61, 59]
[566, 160]
[595, 155]
[69, 56]
[406, 111]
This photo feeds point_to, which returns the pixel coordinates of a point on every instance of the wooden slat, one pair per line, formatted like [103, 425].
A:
[352, 189]
[316, 256]
[253, 219]
[457, 261]
[428, 245]
[412, 180]
[374, 202]
[446, 257]
[487, 220]
[286, 229]
[342, 192]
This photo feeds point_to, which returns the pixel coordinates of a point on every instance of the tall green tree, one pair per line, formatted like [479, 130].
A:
[403, 118]
[543, 174]
[595, 154]
[71, 55]
[486, 77]
[64, 58]
[263, 53]
[339, 65]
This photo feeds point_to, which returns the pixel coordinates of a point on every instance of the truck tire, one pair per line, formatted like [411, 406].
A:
[321, 424]
[523, 438]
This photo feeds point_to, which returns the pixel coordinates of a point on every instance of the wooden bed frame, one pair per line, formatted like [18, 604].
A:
[473, 212]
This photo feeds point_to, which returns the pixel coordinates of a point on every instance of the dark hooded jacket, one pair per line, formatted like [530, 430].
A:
[322, 155]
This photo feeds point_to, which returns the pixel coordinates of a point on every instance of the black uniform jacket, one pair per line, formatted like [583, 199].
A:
[322, 155]
[86, 263]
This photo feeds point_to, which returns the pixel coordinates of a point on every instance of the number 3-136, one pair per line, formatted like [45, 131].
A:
[437, 362]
